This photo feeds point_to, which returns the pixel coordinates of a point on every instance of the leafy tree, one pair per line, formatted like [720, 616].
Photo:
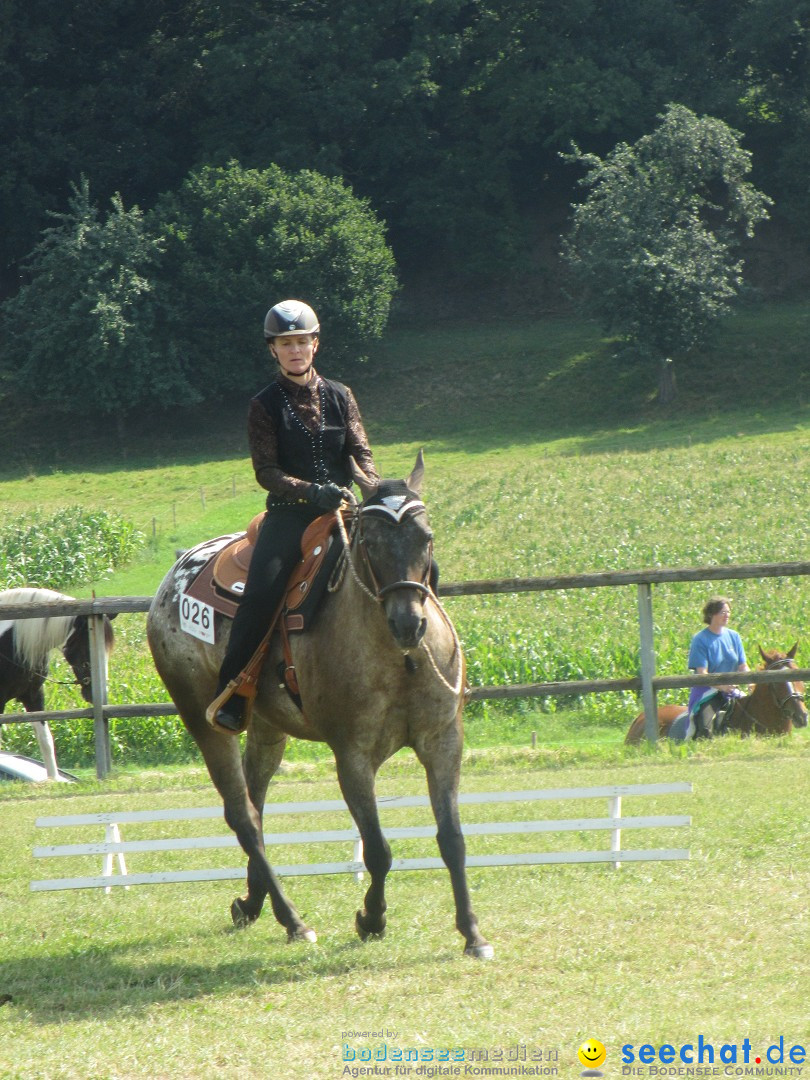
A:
[80, 334]
[238, 240]
[654, 245]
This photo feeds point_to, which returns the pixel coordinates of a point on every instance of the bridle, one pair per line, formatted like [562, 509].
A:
[80, 682]
[784, 705]
[395, 508]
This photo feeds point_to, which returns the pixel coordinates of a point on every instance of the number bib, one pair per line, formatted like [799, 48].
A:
[197, 618]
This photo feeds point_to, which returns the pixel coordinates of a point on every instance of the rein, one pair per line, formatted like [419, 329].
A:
[396, 508]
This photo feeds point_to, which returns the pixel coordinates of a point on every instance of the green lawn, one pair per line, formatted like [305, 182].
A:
[154, 982]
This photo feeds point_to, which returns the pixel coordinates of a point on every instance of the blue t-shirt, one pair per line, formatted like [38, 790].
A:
[716, 652]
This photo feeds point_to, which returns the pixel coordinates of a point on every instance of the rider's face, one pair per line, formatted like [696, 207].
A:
[295, 355]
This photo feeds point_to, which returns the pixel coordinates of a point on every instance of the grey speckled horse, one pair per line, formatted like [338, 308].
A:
[381, 669]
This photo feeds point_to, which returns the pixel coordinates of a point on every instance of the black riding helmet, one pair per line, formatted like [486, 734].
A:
[290, 318]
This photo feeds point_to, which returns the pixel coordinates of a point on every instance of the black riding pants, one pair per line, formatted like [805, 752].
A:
[278, 549]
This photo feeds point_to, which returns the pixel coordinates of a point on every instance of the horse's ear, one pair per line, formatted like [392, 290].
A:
[414, 481]
[367, 486]
[764, 655]
[792, 654]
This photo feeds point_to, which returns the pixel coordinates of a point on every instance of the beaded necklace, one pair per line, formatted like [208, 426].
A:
[316, 439]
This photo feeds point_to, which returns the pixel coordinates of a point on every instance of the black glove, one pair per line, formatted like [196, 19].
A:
[326, 496]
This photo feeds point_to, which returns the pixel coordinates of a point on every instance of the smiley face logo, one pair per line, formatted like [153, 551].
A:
[592, 1054]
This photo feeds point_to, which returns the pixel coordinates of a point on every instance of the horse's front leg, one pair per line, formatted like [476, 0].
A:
[44, 736]
[356, 778]
[441, 756]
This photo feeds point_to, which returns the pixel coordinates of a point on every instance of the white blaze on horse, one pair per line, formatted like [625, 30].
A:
[770, 709]
[380, 669]
[25, 648]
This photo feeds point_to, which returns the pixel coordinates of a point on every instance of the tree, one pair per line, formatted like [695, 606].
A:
[80, 334]
[654, 245]
[239, 240]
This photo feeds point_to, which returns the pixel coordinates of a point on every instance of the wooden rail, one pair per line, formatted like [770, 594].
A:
[647, 683]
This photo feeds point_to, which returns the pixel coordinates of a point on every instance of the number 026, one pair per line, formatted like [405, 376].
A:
[197, 618]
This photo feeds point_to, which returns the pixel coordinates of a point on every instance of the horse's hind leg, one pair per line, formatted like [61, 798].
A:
[356, 778]
[441, 757]
[264, 750]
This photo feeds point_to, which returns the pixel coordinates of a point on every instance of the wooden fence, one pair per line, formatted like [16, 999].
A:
[646, 683]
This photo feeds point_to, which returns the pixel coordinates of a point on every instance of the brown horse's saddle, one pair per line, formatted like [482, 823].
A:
[221, 582]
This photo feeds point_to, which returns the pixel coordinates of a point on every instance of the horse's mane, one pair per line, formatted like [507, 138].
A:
[34, 638]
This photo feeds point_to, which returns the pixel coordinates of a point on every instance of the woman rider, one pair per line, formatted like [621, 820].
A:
[302, 429]
[714, 648]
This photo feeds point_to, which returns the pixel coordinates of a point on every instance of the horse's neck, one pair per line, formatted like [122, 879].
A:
[754, 710]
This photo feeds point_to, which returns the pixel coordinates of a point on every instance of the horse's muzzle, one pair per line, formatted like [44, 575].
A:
[408, 628]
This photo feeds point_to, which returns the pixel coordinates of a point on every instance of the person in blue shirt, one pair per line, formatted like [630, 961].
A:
[713, 649]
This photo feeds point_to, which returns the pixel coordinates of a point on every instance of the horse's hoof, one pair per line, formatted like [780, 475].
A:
[363, 932]
[302, 933]
[240, 917]
[480, 952]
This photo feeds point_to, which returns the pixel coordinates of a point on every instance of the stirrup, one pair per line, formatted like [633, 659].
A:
[221, 700]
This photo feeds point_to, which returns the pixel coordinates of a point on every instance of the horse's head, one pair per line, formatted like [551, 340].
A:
[788, 696]
[397, 548]
[76, 651]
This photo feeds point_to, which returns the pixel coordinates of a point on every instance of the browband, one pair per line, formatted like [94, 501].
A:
[394, 506]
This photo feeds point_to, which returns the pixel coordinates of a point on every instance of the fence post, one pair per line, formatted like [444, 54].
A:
[615, 812]
[98, 683]
[647, 655]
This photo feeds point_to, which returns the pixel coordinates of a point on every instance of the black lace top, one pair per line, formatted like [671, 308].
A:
[304, 434]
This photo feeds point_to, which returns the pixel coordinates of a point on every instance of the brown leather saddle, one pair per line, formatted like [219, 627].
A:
[221, 582]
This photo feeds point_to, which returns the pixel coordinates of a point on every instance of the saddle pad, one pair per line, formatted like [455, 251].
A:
[204, 588]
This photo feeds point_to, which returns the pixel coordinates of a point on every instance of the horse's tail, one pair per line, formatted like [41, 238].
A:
[34, 638]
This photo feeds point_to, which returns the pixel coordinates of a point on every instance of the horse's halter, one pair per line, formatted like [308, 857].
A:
[792, 694]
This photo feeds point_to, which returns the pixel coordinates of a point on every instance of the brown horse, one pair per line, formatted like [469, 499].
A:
[770, 709]
[380, 669]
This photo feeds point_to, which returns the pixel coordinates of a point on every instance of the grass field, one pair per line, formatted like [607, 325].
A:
[154, 982]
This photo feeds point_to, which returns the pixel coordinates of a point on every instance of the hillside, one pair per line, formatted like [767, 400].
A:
[474, 384]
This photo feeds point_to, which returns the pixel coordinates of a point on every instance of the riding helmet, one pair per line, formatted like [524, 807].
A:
[290, 318]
